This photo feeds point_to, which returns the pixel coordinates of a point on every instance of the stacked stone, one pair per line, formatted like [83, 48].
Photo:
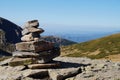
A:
[33, 51]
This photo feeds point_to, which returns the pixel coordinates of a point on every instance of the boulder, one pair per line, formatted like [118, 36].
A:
[34, 46]
[32, 23]
[32, 30]
[25, 54]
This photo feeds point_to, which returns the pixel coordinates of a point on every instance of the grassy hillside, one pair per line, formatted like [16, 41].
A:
[99, 48]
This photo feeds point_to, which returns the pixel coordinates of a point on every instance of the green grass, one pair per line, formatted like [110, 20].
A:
[108, 45]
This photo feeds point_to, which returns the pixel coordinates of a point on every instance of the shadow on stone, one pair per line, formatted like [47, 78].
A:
[70, 65]
[44, 76]
[4, 53]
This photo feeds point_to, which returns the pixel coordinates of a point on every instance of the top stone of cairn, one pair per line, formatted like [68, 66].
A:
[32, 23]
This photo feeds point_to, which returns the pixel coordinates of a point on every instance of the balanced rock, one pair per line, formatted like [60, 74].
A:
[32, 23]
[27, 30]
[34, 46]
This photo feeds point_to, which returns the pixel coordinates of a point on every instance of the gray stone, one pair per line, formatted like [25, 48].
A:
[47, 56]
[18, 73]
[32, 30]
[61, 74]
[5, 62]
[11, 73]
[28, 37]
[25, 54]
[36, 39]
[31, 37]
[35, 73]
[34, 46]
[32, 23]
[43, 66]
[22, 61]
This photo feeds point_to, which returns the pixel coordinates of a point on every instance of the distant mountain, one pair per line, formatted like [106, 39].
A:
[58, 41]
[99, 48]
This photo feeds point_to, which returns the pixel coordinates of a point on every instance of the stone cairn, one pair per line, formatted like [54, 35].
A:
[33, 51]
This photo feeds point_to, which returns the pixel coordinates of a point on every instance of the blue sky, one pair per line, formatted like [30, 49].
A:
[64, 14]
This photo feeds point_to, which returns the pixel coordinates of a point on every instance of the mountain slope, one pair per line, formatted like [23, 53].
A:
[58, 41]
[10, 34]
[12, 31]
[99, 48]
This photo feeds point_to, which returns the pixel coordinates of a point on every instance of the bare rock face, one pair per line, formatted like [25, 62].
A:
[12, 31]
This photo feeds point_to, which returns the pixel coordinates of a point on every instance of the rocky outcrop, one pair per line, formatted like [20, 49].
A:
[70, 69]
[12, 31]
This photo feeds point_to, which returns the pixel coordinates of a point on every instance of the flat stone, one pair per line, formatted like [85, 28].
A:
[11, 73]
[25, 54]
[18, 73]
[32, 30]
[62, 74]
[32, 23]
[34, 46]
[43, 66]
[5, 62]
[21, 61]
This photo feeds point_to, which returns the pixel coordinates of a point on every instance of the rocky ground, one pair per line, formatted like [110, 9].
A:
[70, 69]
